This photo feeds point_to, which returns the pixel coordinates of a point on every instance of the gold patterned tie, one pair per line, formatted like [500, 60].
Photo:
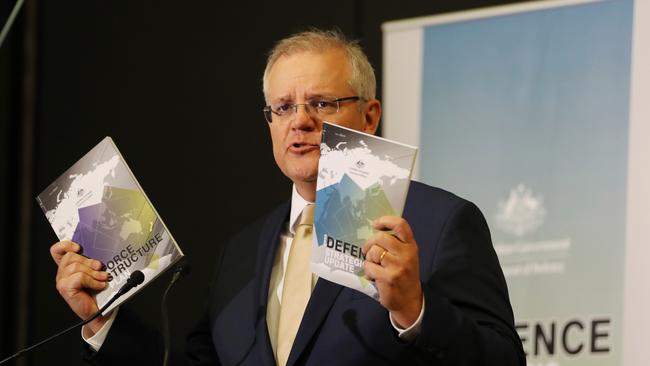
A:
[297, 285]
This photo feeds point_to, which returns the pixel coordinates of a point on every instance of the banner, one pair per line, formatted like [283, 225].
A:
[528, 111]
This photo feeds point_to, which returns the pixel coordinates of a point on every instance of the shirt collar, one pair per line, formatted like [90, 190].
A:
[297, 205]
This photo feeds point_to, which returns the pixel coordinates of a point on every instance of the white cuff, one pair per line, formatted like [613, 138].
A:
[95, 342]
[411, 332]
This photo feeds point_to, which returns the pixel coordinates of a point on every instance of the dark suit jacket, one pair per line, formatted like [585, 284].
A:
[467, 319]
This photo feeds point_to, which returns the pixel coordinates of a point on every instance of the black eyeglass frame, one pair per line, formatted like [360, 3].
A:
[268, 111]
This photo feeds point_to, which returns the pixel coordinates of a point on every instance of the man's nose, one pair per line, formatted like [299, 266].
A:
[303, 117]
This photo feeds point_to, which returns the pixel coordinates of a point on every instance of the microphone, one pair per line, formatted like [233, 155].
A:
[136, 278]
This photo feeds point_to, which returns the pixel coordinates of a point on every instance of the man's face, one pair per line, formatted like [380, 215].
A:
[299, 78]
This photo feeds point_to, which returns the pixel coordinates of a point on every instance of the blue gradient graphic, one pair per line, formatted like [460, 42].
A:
[540, 99]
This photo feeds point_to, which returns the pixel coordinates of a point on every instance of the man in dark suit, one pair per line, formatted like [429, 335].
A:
[443, 297]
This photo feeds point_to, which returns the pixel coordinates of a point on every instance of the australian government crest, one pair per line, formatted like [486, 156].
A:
[519, 240]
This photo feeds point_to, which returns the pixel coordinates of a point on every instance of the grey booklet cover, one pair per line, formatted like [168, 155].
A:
[99, 204]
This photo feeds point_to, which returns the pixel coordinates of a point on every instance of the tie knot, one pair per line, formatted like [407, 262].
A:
[307, 217]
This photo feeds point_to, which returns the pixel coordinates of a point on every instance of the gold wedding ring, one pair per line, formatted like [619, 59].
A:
[381, 257]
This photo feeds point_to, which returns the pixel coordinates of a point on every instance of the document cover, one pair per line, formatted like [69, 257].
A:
[98, 204]
[361, 177]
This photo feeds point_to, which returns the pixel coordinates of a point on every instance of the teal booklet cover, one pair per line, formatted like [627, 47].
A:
[361, 177]
[98, 204]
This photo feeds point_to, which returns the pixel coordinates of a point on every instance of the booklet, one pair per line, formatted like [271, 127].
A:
[361, 177]
[99, 204]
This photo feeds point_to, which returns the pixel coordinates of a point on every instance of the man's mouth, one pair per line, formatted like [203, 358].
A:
[302, 148]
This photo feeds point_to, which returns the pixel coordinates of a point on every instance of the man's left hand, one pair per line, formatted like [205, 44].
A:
[392, 262]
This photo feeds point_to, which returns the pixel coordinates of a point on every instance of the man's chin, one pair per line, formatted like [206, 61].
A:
[304, 179]
[304, 176]
[303, 169]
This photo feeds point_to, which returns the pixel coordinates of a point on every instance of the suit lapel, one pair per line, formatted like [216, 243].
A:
[267, 247]
[320, 303]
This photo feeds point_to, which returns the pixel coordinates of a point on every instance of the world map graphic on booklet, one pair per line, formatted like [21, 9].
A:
[361, 177]
[98, 204]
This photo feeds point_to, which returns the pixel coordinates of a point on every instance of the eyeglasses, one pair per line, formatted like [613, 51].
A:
[321, 106]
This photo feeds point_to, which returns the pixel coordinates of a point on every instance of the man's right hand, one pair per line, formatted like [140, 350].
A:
[75, 276]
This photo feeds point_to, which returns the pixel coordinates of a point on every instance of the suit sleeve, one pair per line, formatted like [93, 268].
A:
[467, 319]
[130, 341]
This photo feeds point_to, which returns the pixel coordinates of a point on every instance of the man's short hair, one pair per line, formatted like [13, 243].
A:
[362, 81]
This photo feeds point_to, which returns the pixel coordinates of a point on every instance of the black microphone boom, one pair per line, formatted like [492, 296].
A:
[136, 278]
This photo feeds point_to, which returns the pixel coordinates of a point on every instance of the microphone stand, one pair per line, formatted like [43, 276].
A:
[182, 270]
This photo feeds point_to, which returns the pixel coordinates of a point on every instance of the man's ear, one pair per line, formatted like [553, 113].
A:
[371, 115]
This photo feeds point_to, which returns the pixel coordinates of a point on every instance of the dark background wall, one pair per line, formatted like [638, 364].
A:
[178, 87]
